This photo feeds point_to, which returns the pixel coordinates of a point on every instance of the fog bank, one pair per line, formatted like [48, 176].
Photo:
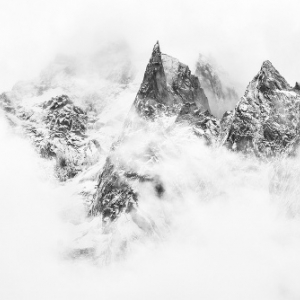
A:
[221, 232]
[240, 35]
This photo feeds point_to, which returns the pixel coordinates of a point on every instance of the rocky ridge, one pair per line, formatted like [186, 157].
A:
[264, 123]
[167, 89]
[266, 119]
[167, 85]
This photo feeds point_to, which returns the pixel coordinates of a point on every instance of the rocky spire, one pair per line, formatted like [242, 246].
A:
[269, 79]
[167, 86]
[266, 120]
[153, 91]
[156, 51]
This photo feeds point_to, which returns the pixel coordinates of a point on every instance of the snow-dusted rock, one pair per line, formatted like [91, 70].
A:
[57, 128]
[168, 85]
[266, 119]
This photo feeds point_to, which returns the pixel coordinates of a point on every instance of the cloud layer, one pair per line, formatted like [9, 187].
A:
[239, 34]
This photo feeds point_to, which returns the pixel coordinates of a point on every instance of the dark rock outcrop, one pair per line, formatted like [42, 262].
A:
[57, 129]
[225, 124]
[65, 118]
[168, 85]
[266, 119]
[204, 124]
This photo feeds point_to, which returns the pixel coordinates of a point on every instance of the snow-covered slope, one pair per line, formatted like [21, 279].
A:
[135, 152]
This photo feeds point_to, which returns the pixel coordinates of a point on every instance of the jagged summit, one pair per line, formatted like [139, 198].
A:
[267, 64]
[269, 79]
[153, 93]
[166, 86]
[266, 120]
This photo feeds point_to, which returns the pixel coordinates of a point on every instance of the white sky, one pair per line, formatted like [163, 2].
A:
[239, 34]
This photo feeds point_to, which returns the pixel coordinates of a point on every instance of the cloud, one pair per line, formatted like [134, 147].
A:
[221, 231]
[239, 34]
[217, 232]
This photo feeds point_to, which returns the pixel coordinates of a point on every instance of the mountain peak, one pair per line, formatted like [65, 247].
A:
[266, 119]
[156, 54]
[267, 64]
[168, 84]
[168, 89]
[156, 47]
[269, 79]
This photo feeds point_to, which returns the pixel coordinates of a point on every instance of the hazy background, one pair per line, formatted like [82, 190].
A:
[239, 34]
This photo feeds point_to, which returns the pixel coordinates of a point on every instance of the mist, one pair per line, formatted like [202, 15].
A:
[227, 226]
[240, 35]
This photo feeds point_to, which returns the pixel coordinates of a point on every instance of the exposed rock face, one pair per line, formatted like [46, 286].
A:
[204, 124]
[264, 122]
[225, 124]
[153, 95]
[222, 95]
[64, 117]
[266, 119]
[57, 128]
[66, 124]
[168, 85]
